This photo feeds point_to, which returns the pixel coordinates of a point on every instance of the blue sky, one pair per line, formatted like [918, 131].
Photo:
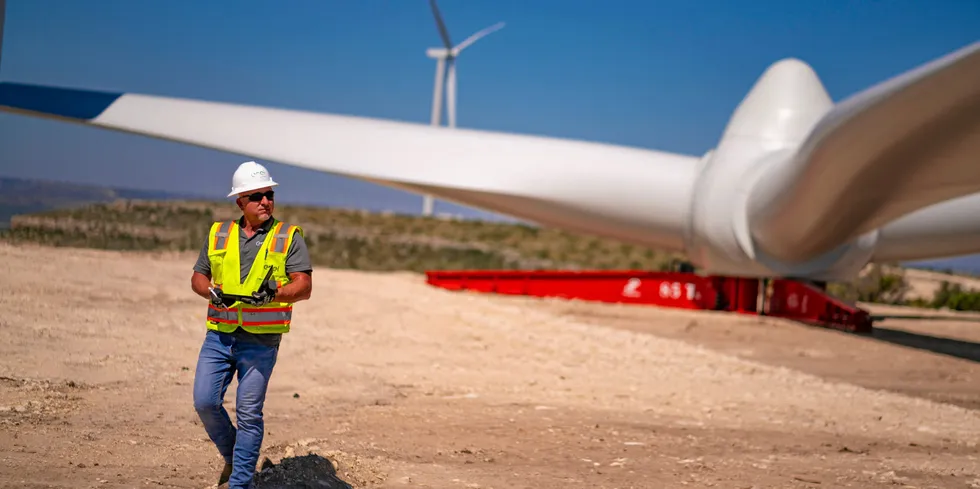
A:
[653, 74]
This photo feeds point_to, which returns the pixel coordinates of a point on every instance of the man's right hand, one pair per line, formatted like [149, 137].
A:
[217, 299]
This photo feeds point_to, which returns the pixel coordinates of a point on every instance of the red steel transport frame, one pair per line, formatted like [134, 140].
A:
[805, 303]
[786, 298]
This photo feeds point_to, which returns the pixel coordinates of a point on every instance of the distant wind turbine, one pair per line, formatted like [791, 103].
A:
[447, 56]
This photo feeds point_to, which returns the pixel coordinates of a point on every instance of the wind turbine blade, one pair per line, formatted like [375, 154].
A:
[947, 229]
[638, 195]
[451, 94]
[479, 34]
[904, 144]
[443, 32]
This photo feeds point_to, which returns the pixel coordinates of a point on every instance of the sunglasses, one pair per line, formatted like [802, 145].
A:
[257, 196]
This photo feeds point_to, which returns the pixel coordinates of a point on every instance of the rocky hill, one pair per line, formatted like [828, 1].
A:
[23, 196]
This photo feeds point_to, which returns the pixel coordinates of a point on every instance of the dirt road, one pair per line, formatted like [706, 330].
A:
[403, 385]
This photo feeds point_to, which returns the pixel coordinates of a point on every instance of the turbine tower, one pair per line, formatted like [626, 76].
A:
[446, 59]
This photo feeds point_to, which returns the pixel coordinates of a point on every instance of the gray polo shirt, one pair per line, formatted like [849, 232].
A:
[297, 260]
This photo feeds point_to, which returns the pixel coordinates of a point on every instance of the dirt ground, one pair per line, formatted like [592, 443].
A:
[395, 384]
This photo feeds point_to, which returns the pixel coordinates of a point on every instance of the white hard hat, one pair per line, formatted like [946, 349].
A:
[250, 176]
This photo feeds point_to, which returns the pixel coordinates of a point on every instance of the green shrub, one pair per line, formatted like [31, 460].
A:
[878, 284]
[955, 297]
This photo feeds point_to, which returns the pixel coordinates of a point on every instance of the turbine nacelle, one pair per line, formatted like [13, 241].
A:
[438, 53]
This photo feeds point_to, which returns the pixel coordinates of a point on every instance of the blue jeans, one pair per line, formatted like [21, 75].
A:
[221, 356]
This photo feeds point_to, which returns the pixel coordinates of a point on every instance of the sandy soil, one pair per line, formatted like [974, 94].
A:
[398, 384]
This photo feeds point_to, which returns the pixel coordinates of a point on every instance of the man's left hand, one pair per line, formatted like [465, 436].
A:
[262, 297]
[265, 294]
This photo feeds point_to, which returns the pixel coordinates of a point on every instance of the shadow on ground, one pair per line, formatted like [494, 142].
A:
[925, 317]
[966, 350]
[304, 472]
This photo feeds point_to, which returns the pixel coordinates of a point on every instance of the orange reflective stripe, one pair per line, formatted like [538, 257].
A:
[274, 245]
[221, 236]
[279, 238]
[285, 238]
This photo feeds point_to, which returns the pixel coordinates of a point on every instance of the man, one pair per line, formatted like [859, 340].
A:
[243, 333]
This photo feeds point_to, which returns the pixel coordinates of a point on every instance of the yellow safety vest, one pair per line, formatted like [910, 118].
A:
[223, 253]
